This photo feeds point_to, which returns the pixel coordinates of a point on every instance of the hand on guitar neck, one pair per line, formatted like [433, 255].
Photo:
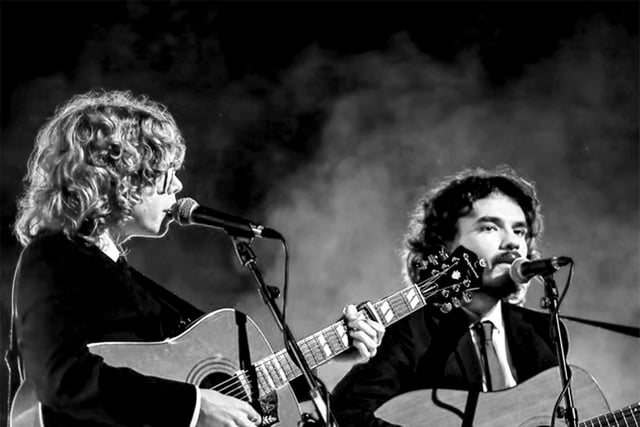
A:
[365, 334]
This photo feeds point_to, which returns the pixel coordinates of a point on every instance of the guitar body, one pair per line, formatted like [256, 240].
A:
[206, 354]
[527, 405]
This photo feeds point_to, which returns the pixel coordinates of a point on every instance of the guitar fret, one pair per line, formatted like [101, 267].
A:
[271, 380]
[387, 312]
[286, 365]
[335, 339]
[278, 369]
[244, 382]
[634, 411]
[321, 347]
[310, 353]
[414, 297]
[318, 350]
[269, 386]
[263, 387]
[405, 301]
[272, 374]
[324, 346]
[399, 305]
[312, 346]
[341, 331]
[617, 418]
[611, 417]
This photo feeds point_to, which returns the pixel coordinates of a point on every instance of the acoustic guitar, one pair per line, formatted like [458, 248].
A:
[207, 354]
[528, 404]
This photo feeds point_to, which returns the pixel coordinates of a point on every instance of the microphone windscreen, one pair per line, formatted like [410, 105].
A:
[181, 210]
[515, 273]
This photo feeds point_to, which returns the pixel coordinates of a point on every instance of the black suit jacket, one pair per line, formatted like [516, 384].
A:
[69, 294]
[430, 350]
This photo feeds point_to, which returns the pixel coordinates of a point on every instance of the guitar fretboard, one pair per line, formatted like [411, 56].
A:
[625, 417]
[277, 370]
[457, 273]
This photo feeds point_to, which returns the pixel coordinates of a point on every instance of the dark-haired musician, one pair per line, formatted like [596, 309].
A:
[495, 214]
[103, 170]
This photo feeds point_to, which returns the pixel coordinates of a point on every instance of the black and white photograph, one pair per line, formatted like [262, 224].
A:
[319, 213]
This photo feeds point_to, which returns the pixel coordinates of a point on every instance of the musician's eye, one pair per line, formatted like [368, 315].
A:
[522, 232]
[488, 227]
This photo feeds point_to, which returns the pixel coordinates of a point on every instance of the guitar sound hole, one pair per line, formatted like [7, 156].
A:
[225, 384]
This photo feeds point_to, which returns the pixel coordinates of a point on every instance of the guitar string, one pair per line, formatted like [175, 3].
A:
[309, 353]
[234, 384]
[399, 307]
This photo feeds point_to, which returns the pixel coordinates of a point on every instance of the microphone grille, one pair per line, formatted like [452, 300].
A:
[181, 210]
[514, 271]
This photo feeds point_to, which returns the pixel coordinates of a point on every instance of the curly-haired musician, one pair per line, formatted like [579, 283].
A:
[103, 170]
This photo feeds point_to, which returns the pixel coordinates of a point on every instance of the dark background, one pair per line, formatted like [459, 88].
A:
[327, 120]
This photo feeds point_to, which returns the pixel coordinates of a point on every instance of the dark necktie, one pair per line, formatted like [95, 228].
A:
[490, 363]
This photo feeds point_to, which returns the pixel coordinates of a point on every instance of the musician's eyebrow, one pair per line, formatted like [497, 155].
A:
[488, 218]
[500, 221]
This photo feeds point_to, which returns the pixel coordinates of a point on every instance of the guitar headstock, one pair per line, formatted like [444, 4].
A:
[447, 279]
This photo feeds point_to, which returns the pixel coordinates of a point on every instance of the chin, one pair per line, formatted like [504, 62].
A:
[500, 288]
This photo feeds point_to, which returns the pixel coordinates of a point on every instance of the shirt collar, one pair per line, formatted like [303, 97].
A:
[494, 315]
[106, 244]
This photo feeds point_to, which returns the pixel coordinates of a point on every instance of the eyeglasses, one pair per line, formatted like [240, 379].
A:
[165, 181]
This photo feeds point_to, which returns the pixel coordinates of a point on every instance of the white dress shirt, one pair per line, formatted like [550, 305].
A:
[499, 341]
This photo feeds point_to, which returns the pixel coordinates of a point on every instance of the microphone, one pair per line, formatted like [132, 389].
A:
[522, 269]
[187, 211]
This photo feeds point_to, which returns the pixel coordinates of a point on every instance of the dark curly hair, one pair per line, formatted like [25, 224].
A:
[92, 160]
[433, 223]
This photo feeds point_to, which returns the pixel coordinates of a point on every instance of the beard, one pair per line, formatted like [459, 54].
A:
[501, 287]
[497, 281]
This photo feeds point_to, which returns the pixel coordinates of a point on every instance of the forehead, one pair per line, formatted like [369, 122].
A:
[497, 205]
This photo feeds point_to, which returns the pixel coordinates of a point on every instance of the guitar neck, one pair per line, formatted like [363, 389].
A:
[615, 418]
[277, 370]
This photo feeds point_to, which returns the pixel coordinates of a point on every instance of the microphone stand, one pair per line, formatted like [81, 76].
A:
[550, 301]
[248, 259]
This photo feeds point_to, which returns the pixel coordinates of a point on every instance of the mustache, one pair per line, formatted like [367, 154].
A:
[505, 257]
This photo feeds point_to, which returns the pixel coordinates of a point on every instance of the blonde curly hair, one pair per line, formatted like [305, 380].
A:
[92, 160]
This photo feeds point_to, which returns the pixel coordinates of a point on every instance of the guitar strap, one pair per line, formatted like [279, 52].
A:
[186, 312]
[244, 356]
[452, 337]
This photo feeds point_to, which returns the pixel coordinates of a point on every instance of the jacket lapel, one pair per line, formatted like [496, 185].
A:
[529, 353]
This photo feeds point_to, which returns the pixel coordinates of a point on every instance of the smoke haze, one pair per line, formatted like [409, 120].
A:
[568, 123]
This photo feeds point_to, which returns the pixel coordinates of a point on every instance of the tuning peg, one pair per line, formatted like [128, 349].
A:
[446, 307]
[466, 297]
[444, 293]
[456, 302]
